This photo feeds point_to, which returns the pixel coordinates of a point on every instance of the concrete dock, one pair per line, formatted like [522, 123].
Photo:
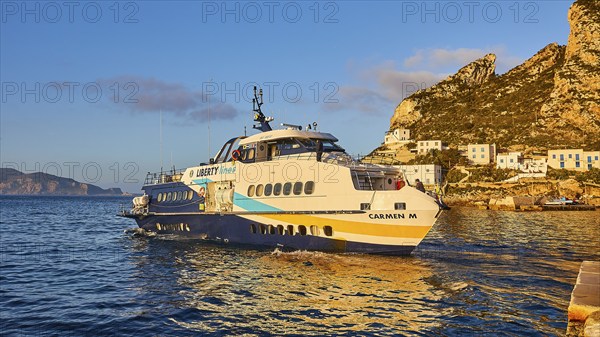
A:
[584, 309]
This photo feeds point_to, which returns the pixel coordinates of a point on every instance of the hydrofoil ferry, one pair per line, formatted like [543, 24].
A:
[289, 188]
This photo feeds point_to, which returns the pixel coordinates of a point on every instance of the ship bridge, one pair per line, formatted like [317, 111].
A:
[280, 144]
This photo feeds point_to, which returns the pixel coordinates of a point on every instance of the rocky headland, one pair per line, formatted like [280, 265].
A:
[13, 182]
[550, 101]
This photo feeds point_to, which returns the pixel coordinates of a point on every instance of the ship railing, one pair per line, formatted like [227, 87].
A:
[343, 159]
[164, 177]
[125, 209]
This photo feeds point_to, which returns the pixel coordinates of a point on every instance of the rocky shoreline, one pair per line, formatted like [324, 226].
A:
[524, 195]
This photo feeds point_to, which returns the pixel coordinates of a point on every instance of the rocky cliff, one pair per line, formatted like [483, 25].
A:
[574, 103]
[551, 100]
[17, 183]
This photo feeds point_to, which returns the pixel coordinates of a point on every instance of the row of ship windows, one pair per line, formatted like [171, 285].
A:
[276, 189]
[175, 196]
[290, 230]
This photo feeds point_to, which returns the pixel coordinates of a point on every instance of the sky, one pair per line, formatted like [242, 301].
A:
[84, 84]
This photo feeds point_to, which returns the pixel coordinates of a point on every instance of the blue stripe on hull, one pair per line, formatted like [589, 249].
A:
[235, 229]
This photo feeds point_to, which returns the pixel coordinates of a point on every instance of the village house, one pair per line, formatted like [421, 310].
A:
[428, 174]
[424, 146]
[397, 136]
[481, 154]
[574, 159]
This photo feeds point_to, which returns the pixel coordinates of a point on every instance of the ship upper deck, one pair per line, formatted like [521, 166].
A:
[275, 135]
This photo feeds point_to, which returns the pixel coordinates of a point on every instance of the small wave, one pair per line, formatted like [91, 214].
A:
[139, 232]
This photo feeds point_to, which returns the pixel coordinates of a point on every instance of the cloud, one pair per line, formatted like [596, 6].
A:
[385, 85]
[381, 88]
[396, 84]
[359, 98]
[437, 59]
[147, 95]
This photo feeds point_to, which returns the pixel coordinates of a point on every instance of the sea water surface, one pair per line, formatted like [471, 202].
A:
[68, 269]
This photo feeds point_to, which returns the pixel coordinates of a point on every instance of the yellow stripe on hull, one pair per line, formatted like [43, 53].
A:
[355, 227]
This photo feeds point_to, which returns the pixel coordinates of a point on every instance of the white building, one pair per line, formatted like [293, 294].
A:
[428, 174]
[532, 165]
[511, 160]
[481, 154]
[574, 159]
[397, 136]
[424, 146]
[516, 161]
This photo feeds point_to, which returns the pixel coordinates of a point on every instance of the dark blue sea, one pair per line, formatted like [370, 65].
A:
[67, 268]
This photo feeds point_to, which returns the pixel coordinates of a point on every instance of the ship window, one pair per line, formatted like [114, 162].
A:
[277, 189]
[271, 229]
[287, 188]
[190, 195]
[179, 195]
[280, 230]
[250, 154]
[328, 230]
[268, 189]
[174, 196]
[262, 228]
[251, 190]
[259, 190]
[290, 229]
[297, 188]
[309, 187]
[365, 206]
[160, 196]
[169, 196]
[314, 230]
[252, 228]
[302, 230]
[400, 206]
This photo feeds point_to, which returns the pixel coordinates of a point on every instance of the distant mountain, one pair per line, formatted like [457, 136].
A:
[18, 183]
[550, 101]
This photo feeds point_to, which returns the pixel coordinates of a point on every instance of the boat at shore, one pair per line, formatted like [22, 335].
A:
[291, 189]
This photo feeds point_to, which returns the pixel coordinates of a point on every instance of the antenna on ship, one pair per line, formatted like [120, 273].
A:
[257, 102]
[209, 157]
[161, 141]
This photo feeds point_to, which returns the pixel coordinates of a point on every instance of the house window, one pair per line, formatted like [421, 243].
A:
[596, 157]
[473, 150]
[482, 149]
[511, 160]
[577, 164]
[589, 159]
[553, 156]
[474, 156]
[562, 164]
[501, 161]
[482, 156]
[570, 156]
[562, 157]
[589, 166]
[577, 156]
